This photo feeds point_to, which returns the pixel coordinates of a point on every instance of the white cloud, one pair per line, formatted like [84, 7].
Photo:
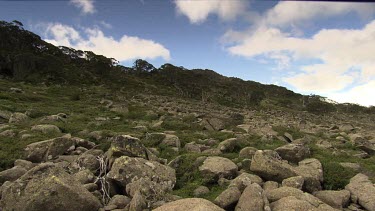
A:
[339, 50]
[198, 10]
[86, 6]
[362, 94]
[294, 12]
[124, 49]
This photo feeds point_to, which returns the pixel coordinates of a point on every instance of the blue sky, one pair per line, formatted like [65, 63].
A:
[325, 48]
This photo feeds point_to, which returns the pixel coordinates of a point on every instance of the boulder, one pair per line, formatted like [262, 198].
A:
[270, 185]
[291, 203]
[294, 182]
[268, 164]
[200, 191]
[312, 172]
[125, 145]
[138, 202]
[46, 129]
[362, 191]
[227, 145]
[293, 152]
[171, 141]
[336, 199]
[48, 150]
[24, 164]
[84, 176]
[213, 123]
[247, 152]
[49, 188]
[228, 198]
[11, 174]
[189, 204]
[244, 180]
[215, 167]
[252, 199]
[18, 118]
[120, 201]
[8, 133]
[141, 174]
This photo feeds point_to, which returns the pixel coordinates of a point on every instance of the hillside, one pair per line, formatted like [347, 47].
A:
[80, 132]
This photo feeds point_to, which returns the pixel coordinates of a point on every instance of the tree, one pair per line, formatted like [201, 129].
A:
[142, 66]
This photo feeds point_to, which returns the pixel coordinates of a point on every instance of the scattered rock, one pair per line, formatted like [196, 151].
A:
[46, 129]
[293, 152]
[336, 199]
[291, 203]
[46, 187]
[8, 133]
[189, 204]
[200, 191]
[11, 174]
[214, 168]
[312, 172]
[268, 164]
[18, 118]
[251, 199]
[171, 141]
[155, 176]
[48, 150]
[227, 145]
[270, 185]
[247, 152]
[294, 182]
[228, 198]
[354, 166]
[120, 201]
[362, 191]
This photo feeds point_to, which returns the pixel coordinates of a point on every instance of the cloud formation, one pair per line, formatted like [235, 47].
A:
[198, 10]
[86, 6]
[335, 59]
[93, 39]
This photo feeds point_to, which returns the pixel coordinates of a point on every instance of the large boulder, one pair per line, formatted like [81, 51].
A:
[293, 152]
[228, 198]
[215, 167]
[252, 199]
[269, 165]
[294, 182]
[312, 172]
[247, 152]
[171, 141]
[46, 129]
[213, 123]
[11, 174]
[48, 188]
[48, 150]
[228, 145]
[125, 145]
[189, 204]
[143, 175]
[362, 191]
[18, 118]
[291, 203]
[336, 199]
[244, 180]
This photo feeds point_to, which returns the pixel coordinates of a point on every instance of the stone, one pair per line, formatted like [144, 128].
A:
[171, 141]
[200, 191]
[120, 201]
[8, 133]
[18, 118]
[354, 166]
[247, 152]
[46, 129]
[336, 199]
[252, 199]
[143, 175]
[291, 203]
[85, 176]
[47, 150]
[12, 174]
[268, 165]
[24, 164]
[293, 152]
[189, 204]
[270, 185]
[213, 124]
[91, 187]
[242, 181]
[138, 202]
[49, 188]
[215, 167]
[294, 182]
[227, 145]
[312, 172]
[362, 191]
[228, 198]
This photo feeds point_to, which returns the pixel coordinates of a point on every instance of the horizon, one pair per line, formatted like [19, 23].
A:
[323, 48]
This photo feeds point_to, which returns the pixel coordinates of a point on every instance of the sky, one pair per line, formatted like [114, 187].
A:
[324, 48]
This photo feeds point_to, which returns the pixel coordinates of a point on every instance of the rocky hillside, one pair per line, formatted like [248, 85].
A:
[160, 143]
